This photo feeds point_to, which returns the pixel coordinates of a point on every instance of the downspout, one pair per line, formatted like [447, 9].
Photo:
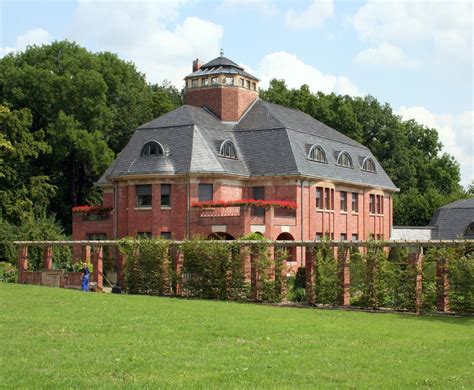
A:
[115, 210]
[303, 262]
[188, 206]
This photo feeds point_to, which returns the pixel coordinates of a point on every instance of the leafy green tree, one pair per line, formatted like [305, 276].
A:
[410, 153]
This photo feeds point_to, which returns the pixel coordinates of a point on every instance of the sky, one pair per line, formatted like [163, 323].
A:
[415, 55]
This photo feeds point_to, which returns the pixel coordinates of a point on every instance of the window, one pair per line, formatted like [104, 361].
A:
[227, 149]
[343, 201]
[343, 236]
[247, 83]
[143, 195]
[327, 199]
[344, 160]
[372, 204]
[254, 86]
[258, 194]
[355, 202]
[194, 83]
[204, 82]
[242, 82]
[368, 165]
[470, 229]
[206, 192]
[316, 153]
[143, 234]
[379, 200]
[96, 236]
[165, 235]
[319, 198]
[165, 194]
[215, 81]
[228, 80]
[151, 148]
[355, 237]
[319, 236]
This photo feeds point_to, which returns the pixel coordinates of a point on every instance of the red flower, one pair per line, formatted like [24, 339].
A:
[88, 210]
[245, 203]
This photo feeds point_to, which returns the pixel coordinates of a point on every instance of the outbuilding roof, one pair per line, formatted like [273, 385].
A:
[454, 219]
[270, 140]
[220, 65]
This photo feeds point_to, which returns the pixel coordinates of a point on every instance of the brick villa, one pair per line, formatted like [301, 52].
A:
[226, 144]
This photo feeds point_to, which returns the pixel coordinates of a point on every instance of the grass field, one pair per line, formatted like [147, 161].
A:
[55, 338]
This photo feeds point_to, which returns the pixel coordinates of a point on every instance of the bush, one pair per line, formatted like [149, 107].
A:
[328, 286]
[8, 273]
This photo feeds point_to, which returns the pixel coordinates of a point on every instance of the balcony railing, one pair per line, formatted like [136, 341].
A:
[220, 212]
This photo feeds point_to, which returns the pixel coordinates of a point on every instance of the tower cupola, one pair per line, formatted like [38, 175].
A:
[221, 86]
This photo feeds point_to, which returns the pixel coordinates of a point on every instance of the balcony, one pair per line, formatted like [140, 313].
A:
[220, 212]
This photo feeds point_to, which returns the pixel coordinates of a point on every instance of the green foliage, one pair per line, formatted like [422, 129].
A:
[147, 267]
[328, 286]
[70, 111]
[410, 153]
[300, 278]
[8, 272]
[461, 279]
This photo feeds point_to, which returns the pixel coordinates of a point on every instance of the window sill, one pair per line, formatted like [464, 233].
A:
[355, 213]
[143, 208]
[344, 212]
[165, 207]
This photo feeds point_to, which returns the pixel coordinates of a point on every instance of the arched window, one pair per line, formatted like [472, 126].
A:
[470, 229]
[228, 150]
[316, 153]
[368, 165]
[152, 148]
[344, 160]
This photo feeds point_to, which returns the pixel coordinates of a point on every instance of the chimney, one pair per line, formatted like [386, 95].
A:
[196, 65]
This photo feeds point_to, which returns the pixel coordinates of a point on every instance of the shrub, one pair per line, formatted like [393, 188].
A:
[8, 273]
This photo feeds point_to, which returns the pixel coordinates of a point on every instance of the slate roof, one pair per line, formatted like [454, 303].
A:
[453, 219]
[270, 140]
[221, 65]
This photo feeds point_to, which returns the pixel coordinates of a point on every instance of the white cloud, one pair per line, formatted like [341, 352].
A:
[455, 133]
[146, 32]
[445, 24]
[265, 7]
[295, 72]
[313, 16]
[385, 54]
[37, 36]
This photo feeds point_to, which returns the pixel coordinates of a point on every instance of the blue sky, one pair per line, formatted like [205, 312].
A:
[415, 55]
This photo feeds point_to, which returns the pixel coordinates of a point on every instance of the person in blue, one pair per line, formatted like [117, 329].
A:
[85, 277]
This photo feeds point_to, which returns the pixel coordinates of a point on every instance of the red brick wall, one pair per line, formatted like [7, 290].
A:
[228, 103]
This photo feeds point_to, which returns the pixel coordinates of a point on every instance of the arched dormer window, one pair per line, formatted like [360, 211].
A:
[368, 165]
[316, 153]
[344, 160]
[227, 149]
[152, 148]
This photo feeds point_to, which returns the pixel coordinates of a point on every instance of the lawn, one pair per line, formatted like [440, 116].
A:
[60, 338]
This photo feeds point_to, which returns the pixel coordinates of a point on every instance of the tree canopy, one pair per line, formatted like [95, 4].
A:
[410, 153]
[65, 113]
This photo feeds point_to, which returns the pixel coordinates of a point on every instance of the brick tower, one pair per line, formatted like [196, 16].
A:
[222, 87]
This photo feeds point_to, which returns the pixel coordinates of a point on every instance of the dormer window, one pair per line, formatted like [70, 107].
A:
[152, 148]
[316, 153]
[227, 149]
[344, 160]
[215, 81]
[368, 165]
[228, 80]
[470, 229]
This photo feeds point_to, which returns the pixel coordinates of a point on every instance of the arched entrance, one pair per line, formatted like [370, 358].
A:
[291, 249]
[220, 236]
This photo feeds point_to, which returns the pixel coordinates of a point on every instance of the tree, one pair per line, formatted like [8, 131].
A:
[79, 109]
[410, 153]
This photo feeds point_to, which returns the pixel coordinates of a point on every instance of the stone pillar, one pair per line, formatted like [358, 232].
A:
[86, 254]
[442, 284]
[416, 259]
[178, 259]
[48, 258]
[344, 257]
[98, 267]
[22, 263]
[254, 293]
[310, 275]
